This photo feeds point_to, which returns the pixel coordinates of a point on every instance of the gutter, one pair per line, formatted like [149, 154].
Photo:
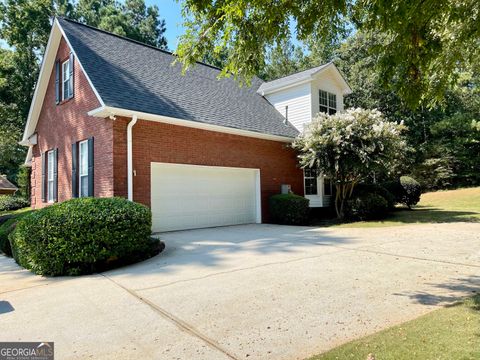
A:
[108, 111]
[130, 157]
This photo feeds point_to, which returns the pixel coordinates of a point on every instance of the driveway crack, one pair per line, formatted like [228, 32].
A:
[182, 325]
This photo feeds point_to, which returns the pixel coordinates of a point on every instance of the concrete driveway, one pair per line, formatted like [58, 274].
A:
[246, 292]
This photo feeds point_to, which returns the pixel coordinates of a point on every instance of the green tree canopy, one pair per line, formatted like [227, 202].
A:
[426, 42]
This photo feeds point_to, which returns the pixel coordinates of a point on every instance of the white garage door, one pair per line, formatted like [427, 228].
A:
[191, 196]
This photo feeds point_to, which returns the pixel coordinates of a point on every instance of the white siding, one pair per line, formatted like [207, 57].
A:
[326, 81]
[298, 99]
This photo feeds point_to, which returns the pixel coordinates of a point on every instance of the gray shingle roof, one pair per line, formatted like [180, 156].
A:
[5, 184]
[134, 76]
[303, 75]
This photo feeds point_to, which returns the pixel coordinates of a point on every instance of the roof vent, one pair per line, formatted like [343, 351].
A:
[285, 122]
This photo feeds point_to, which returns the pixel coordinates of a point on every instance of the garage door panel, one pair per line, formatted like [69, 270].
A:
[189, 196]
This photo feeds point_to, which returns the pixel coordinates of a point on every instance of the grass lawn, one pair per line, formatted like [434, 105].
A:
[435, 207]
[449, 333]
[14, 212]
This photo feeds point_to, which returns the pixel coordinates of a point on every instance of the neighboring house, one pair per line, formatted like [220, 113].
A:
[6, 187]
[113, 117]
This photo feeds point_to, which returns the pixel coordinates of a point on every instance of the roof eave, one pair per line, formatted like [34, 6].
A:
[56, 34]
[111, 112]
[308, 78]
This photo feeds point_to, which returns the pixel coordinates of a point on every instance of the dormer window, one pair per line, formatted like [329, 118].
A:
[328, 102]
[67, 88]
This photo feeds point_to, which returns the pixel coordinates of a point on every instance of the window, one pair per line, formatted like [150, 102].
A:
[50, 176]
[67, 83]
[310, 176]
[328, 102]
[83, 168]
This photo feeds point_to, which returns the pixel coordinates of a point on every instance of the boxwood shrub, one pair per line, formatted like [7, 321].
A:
[82, 236]
[366, 207]
[363, 189]
[12, 202]
[411, 191]
[406, 190]
[288, 209]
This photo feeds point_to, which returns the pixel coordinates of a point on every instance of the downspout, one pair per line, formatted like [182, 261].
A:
[130, 157]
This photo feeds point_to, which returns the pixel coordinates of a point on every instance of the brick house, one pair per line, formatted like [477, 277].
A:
[113, 117]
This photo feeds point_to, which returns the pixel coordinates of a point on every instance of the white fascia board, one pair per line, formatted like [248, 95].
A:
[46, 69]
[41, 85]
[309, 78]
[107, 111]
[346, 88]
[28, 159]
[284, 86]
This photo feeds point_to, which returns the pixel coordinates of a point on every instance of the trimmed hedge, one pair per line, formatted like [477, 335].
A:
[12, 202]
[411, 191]
[364, 189]
[7, 225]
[406, 190]
[289, 209]
[366, 207]
[82, 236]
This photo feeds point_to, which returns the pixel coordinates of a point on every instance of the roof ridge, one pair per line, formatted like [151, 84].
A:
[168, 52]
[299, 72]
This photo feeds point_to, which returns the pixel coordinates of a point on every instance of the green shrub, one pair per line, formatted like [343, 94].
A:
[366, 207]
[5, 229]
[288, 209]
[395, 188]
[82, 236]
[7, 225]
[362, 189]
[406, 190]
[12, 202]
[411, 191]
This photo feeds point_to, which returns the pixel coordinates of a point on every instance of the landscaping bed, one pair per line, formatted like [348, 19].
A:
[81, 236]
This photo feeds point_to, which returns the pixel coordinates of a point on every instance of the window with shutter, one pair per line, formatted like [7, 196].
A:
[83, 168]
[57, 82]
[75, 170]
[50, 175]
[67, 88]
[44, 173]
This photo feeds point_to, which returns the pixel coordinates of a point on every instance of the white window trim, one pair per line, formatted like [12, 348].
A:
[65, 79]
[82, 172]
[328, 101]
[50, 175]
[305, 183]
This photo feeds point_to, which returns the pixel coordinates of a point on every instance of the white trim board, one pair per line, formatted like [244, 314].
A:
[309, 78]
[108, 111]
[41, 86]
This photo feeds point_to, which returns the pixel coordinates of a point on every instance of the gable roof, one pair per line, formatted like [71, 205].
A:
[134, 76]
[5, 184]
[301, 77]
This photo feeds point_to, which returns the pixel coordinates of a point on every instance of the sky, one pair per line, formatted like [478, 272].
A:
[170, 10]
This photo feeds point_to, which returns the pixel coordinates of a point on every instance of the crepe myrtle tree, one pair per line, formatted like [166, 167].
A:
[348, 146]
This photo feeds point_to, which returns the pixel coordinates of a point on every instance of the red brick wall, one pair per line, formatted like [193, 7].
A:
[158, 142]
[59, 126]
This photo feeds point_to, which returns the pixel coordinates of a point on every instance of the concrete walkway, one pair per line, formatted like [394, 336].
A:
[246, 292]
